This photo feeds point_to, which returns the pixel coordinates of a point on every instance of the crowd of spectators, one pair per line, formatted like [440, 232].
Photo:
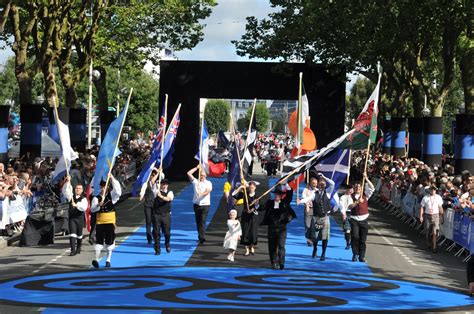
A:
[413, 176]
[25, 182]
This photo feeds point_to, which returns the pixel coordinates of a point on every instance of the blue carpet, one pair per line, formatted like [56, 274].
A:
[136, 252]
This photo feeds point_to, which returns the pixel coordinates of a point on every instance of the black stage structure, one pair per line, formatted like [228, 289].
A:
[187, 81]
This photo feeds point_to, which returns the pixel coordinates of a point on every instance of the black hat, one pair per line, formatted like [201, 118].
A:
[165, 181]
[102, 183]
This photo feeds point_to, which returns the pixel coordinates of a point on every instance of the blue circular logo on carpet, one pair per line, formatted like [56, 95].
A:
[225, 288]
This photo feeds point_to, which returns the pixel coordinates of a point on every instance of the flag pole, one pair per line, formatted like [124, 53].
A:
[350, 157]
[117, 142]
[298, 132]
[200, 145]
[237, 149]
[56, 119]
[163, 139]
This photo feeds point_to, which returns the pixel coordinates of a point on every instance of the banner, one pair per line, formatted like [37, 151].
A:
[17, 210]
[471, 239]
[457, 228]
[446, 229]
[408, 204]
[461, 229]
[465, 226]
[4, 220]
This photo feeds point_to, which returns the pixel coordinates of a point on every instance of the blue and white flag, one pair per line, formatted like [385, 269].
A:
[203, 152]
[67, 153]
[139, 187]
[335, 167]
[108, 150]
[145, 173]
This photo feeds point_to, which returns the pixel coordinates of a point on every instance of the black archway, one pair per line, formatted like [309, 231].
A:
[187, 81]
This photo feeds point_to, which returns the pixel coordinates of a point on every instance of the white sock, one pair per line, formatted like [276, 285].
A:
[109, 252]
[98, 249]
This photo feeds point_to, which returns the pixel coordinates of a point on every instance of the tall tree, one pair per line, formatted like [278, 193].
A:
[216, 115]
[414, 40]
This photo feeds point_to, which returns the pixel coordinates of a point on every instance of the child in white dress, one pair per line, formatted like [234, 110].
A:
[232, 237]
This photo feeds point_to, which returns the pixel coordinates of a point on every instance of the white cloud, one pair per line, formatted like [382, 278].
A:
[226, 23]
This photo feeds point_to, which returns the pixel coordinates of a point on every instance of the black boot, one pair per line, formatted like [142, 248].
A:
[348, 240]
[72, 243]
[78, 247]
[168, 243]
[325, 245]
[315, 249]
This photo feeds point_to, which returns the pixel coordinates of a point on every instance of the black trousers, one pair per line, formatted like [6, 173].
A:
[200, 212]
[93, 224]
[359, 231]
[105, 234]
[161, 223]
[76, 225]
[276, 244]
[148, 222]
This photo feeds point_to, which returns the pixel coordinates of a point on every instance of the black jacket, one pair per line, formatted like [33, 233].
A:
[277, 217]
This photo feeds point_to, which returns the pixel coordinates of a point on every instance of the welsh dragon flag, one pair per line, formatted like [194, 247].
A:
[363, 131]
[365, 126]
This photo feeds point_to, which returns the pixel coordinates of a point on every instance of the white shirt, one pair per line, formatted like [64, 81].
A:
[114, 194]
[345, 201]
[201, 187]
[431, 204]
[155, 189]
[329, 189]
[308, 192]
[67, 192]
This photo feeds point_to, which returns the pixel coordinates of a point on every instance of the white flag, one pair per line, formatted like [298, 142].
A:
[68, 154]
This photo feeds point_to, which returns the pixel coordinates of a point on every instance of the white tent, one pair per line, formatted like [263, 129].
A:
[49, 148]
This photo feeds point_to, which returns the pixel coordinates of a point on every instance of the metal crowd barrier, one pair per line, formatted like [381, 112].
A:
[457, 231]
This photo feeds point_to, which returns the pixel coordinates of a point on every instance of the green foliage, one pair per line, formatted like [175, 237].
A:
[262, 117]
[242, 124]
[135, 30]
[216, 115]
[9, 87]
[278, 125]
[415, 41]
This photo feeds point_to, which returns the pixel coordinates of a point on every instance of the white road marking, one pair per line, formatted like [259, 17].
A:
[402, 254]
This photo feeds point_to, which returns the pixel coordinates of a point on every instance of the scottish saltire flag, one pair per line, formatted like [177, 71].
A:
[67, 153]
[142, 178]
[108, 150]
[335, 167]
[203, 152]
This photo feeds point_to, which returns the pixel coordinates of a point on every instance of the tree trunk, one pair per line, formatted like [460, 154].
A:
[417, 101]
[25, 83]
[101, 88]
[50, 88]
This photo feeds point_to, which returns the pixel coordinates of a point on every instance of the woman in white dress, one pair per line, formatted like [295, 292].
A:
[232, 237]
